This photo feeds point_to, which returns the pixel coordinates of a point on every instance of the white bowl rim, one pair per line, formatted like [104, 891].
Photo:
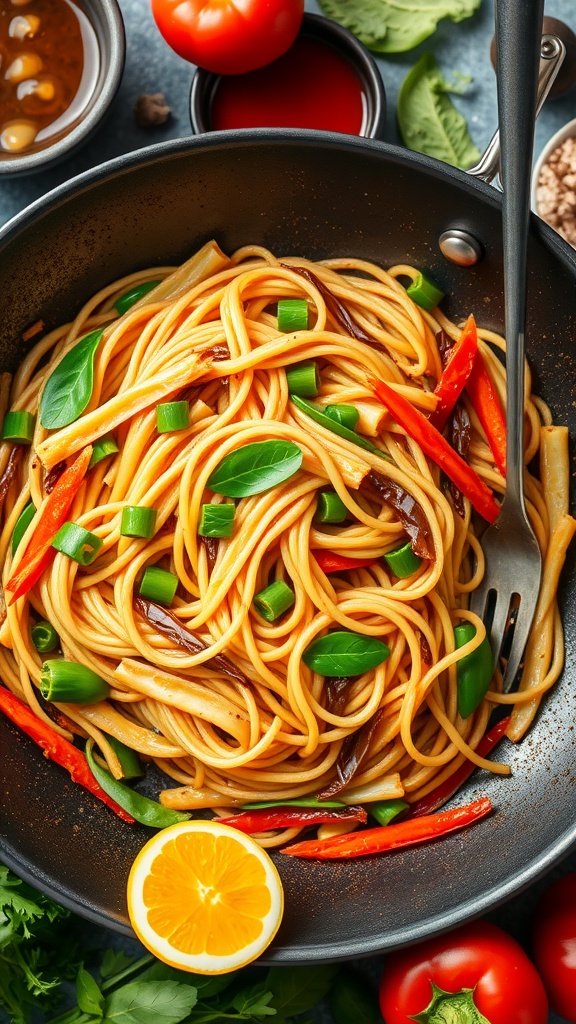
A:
[565, 132]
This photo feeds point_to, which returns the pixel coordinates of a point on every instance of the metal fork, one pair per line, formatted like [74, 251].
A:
[506, 599]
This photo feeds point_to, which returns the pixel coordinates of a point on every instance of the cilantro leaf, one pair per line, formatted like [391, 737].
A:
[393, 26]
[297, 989]
[150, 1002]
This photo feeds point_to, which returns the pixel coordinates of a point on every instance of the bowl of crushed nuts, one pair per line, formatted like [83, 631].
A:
[554, 183]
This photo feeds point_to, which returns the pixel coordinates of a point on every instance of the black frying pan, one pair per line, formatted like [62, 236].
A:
[315, 195]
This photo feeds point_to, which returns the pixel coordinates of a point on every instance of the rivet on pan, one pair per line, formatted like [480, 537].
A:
[460, 247]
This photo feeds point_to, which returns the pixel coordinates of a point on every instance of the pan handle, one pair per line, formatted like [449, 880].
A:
[552, 55]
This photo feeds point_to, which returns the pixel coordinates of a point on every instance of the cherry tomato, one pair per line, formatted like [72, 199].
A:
[229, 37]
[554, 944]
[479, 957]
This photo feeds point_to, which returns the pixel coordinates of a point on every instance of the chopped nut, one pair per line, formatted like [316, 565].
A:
[151, 110]
[556, 190]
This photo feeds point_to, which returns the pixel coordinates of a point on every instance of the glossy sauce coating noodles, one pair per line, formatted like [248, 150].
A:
[218, 696]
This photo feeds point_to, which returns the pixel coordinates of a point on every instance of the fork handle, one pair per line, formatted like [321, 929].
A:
[518, 41]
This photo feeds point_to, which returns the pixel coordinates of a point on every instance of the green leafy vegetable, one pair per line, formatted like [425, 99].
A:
[428, 120]
[345, 654]
[255, 468]
[69, 387]
[393, 26]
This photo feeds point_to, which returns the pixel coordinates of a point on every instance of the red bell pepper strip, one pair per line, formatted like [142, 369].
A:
[442, 793]
[57, 505]
[329, 561]
[391, 837]
[265, 819]
[56, 748]
[487, 406]
[455, 374]
[437, 448]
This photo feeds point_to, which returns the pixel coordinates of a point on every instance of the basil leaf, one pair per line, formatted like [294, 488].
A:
[387, 26]
[344, 654]
[88, 995]
[428, 120]
[296, 991]
[150, 1002]
[255, 468]
[69, 387]
[319, 416]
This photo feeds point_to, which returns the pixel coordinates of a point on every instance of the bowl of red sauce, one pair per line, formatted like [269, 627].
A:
[327, 81]
[62, 63]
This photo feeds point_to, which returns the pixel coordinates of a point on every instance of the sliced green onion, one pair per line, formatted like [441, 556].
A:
[129, 760]
[44, 636]
[22, 523]
[216, 520]
[67, 682]
[303, 379]
[172, 416]
[292, 315]
[77, 543]
[274, 600]
[402, 561]
[384, 811]
[123, 304]
[158, 585]
[138, 521]
[18, 426]
[330, 508]
[474, 670]
[300, 801]
[424, 293]
[319, 416]
[345, 415]
[102, 448]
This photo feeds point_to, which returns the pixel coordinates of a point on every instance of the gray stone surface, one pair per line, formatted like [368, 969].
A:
[152, 67]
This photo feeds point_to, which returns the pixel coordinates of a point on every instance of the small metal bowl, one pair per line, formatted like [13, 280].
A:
[108, 38]
[205, 83]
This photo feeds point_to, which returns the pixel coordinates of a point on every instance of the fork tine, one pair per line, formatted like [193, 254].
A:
[520, 638]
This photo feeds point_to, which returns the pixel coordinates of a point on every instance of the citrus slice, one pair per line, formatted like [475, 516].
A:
[204, 897]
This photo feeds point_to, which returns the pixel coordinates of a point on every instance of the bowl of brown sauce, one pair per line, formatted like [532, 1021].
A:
[61, 62]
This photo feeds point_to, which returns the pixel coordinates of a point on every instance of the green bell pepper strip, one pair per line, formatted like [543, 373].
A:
[384, 811]
[474, 670]
[141, 808]
[128, 758]
[301, 801]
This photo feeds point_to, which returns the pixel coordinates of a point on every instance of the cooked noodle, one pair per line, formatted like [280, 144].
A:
[268, 732]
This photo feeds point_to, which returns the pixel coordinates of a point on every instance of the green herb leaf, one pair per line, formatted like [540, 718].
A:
[351, 998]
[428, 120]
[114, 962]
[88, 995]
[299, 989]
[388, 26]
[69, 387]
[150, 1002]
[345, 654]
[255, 468]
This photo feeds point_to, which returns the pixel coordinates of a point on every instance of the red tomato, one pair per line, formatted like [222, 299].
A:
[506, 987]
[229, 37]
[554, 944]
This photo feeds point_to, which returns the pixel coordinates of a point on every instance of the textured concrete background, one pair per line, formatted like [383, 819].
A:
[152, 67]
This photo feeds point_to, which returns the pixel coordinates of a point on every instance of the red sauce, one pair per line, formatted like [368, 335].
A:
[311, 86]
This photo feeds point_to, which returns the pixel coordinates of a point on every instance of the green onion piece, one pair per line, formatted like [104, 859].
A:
[303, 379]
[123, 304]
[402, 561]
[319, 416]
[18, 426]
[346, 415]
[129, 760]
[474, 670]
[22, 523]
[67, 682]
[424, 293]
[138, 521]
[102, 448]
[158, 585]
[301, 801]
[274, 600]
[171, 416]
[77, 543]
[216, 520]
[44, 636]
[144, 810]
[292, 315]
[385, 810]
[330, 508]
